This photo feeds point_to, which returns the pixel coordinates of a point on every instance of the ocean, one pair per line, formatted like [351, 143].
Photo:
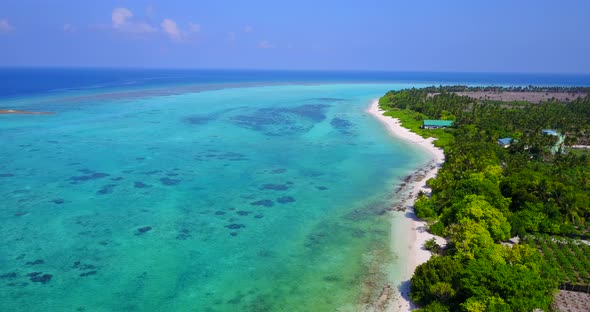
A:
[180, 190]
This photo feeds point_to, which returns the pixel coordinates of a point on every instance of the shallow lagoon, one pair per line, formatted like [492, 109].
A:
[242, 199]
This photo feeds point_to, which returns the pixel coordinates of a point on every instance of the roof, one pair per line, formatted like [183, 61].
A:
[549, 131]
[505, 141]
[438, 123]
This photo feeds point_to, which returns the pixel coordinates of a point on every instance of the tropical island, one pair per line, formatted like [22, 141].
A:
[512, 198]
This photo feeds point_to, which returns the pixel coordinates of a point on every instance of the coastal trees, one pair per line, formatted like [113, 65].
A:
[476, 208]
[518, 286]
[548, 193]
[484, 194]
[470, 240]
[486, 304]
[436, 280]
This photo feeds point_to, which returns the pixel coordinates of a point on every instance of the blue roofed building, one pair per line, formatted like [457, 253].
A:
[506, 142]
[435, 124]
[549, 132]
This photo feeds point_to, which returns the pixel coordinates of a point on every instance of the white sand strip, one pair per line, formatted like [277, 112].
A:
[412, 227]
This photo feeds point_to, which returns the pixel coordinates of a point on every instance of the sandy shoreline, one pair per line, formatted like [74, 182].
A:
[411, 226]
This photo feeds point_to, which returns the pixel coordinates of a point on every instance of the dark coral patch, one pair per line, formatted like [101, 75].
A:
[321, 188]
[328, 99]
[275, 187]
[233, 233]
[88, 273]
[143, 230]
[231, 156]
[58, 201]
[258, 216]
[340, 124]
[10, 275]
[219, 212]
[285, 199]
[139, 184]
[36, 262]
[315, 112]
[92, 176]
[38, 277]
[263, 202]
[82, 267]
[235, 226]
[170, 182]
[6, 175]
[117, 179]
[106, 189]
[283, 121]
[184, 234]
[244, 213]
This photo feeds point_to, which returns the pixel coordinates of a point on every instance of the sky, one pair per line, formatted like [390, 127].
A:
[390, 35]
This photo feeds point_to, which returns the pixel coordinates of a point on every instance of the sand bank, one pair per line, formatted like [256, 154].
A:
[410, 227]
[19, 112]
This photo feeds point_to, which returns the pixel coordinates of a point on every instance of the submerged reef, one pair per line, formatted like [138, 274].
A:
[170, 182]
[263, 202]
[283, 121]
[275, 187]
[39, 277]
[285, 199]
[143, 230]
[90, 175]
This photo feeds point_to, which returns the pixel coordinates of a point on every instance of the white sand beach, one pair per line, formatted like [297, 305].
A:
[411, 227]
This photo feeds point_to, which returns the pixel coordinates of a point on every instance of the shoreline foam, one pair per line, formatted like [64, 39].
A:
[412, 227]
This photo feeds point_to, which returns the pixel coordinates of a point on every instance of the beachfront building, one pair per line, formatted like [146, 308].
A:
[505, 142]
[436, 124]
[560, 140]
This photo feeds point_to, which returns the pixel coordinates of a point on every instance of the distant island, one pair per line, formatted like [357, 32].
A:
[512, 198]
[20, 112]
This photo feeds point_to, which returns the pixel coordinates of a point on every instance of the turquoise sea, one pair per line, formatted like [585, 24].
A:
[179, 195]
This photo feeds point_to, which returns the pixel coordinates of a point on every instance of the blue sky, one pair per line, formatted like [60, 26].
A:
[417, 35]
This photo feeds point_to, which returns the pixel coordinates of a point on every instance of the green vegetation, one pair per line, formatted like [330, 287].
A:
[485, 194]
[567, 259]
[432, 246]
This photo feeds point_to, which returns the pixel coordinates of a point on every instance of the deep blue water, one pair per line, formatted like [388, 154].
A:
[38, 81]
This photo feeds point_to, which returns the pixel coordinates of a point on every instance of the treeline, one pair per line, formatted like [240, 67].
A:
[530, 88]
[485, 194]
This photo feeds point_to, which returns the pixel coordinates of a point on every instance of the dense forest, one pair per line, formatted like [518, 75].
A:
[462, 88]
[485, 194]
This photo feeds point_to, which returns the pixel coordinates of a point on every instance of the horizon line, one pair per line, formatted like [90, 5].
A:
[292, 70]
